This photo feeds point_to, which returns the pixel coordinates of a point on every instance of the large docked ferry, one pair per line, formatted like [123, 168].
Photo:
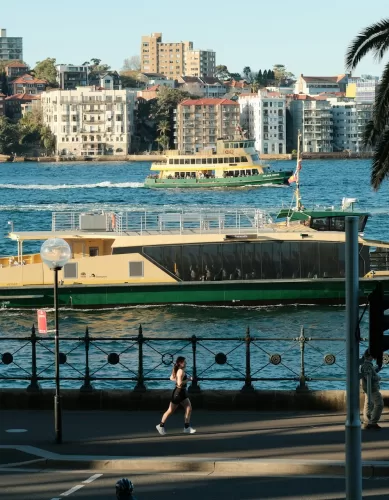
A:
[231, 164]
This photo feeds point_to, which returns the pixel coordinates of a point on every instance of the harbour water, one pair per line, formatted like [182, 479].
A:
[30, 192]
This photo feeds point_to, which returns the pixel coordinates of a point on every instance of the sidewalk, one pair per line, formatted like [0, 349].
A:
[310, 442]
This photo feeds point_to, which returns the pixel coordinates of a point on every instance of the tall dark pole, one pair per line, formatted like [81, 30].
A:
[57, 397]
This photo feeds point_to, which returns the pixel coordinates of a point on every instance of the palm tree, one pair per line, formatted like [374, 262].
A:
[163, 128]
[375, 39]
[247, 73]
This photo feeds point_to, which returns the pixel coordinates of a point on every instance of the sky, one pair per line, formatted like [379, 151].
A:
[311, 38]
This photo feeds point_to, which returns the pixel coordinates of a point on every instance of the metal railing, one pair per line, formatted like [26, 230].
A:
[144, 362]
[167, 220]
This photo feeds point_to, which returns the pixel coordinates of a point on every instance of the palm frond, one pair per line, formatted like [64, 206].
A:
[370, 135]
[381, 102]
[380, 166]
[373, 38]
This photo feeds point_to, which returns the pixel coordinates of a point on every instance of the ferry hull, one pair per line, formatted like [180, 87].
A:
[238, 293]
[275, 178]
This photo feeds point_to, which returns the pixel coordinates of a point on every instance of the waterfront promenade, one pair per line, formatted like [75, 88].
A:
[233, 453]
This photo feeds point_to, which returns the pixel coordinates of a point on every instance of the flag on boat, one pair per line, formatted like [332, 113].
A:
[292, 179]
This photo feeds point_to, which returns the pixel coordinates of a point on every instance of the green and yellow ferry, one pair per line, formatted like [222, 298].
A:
[231, 164]
[192, 255]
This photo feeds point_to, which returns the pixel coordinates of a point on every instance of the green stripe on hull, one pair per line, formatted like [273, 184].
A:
[255, 180]
[329, 291]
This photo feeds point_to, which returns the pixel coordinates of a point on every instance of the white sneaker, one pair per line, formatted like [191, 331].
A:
[161, 430]
[189, 430]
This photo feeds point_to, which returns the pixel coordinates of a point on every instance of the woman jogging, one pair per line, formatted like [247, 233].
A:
[179, 397]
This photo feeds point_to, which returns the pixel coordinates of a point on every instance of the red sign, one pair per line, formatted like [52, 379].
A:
[42, 321]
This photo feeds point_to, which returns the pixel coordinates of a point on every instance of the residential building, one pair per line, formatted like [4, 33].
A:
[312, 115]
[15, 69]
[206, 86]
[175, 59]
[314, 85]
[2, 104]
[263, 116]
[28, 106]
[349, 121]
[362, 89]
[13, 104]
[152, 79]
[70, 76]
[27, 84]
[90, 121]
[108, 80]
[239, 87]
[200, 122]
[10, 47]
[149, 93]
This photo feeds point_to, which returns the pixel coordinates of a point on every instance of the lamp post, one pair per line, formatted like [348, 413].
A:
[55, 253]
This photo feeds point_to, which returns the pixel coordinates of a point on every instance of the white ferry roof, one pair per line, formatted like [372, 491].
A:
[45, 235]
[204, 166]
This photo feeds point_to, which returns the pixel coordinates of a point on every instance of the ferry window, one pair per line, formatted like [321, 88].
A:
[309, 255]
[192, 161]
[232, 261]
[226, 145]
[255, 157]
[321, 223]
[241, 144]
[198, 161]
[171, 162]
[237, 159]
[290, 260]
[93, 251]
[220, 160]
[248, 172]
[243, 159]
[236, 145]
[136, 269]
[255, 171]
[209, 160]
[203, 161]
[176, 162]
[231, 160]
[362, 223]
[182, 161]
[226, 160]
[187, 161]
[214, 160]
[337, 223]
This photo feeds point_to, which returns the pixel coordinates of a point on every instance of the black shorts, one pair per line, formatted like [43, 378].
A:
[178, 396]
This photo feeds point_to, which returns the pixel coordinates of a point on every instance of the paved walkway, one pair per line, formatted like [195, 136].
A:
[282, 437]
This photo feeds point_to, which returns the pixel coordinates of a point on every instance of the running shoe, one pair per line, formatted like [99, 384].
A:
[161, 430]
[189, 430]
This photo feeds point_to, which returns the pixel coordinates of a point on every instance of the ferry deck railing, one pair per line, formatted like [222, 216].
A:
[140, 362]
[164, 219]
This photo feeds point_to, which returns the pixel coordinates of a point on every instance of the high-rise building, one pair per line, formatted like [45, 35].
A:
[200, 122]
[362, 89]
[90, 121]
[175, 59]
[10, 47]
[263, 115]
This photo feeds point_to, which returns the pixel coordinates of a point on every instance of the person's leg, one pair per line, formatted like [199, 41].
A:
[188, 412]
[172, 408]
[366, 411]
[378, 406]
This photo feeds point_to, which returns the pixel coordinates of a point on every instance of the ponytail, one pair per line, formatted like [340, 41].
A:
[176, 367]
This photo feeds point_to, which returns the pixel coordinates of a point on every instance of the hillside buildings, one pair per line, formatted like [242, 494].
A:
[10, 47]
[362, 89]
[70, 77]
[90, 121]
[263, 116]
[16, 105]
[315, 85]
[27, 84]
[14, 69]
[206, 86]
[175, 59]
[200, 122]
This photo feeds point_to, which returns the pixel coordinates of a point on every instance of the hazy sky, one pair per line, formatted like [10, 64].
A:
[307, 38]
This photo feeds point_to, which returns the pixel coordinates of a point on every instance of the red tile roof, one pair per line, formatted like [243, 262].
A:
[16, 64]
[23, 97]
[207, 101]
[29, 79]
[238, 85]
[154, 88]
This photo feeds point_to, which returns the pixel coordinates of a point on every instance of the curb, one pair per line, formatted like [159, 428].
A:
[239, 467]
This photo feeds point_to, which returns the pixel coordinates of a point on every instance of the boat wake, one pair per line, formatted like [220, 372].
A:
[53, 187]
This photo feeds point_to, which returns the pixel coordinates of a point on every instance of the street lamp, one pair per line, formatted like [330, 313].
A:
[55, 253]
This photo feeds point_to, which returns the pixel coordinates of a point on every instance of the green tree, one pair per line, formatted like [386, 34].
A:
[236, 76]
[221, 72]
[48, 140]
[131, 79]
[247, 73]
[259, 78]
[9, 137]
[375, 39]
[46, 70]
[265, 77]
[132, 64]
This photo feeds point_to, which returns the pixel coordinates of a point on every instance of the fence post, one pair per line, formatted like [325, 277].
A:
[194, 387]
[303, 340]
[87, 386]
[140, 386]
[248, 386]
[34, 386]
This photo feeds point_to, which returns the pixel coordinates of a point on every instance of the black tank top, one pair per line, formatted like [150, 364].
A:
[185, 377]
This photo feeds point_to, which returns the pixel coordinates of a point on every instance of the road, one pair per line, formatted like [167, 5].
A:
[52, 485]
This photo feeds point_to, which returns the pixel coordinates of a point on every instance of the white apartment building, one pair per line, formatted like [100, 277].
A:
[313, 117]
[263, 115]
[11, 47]
[349, 122]
[88, 121]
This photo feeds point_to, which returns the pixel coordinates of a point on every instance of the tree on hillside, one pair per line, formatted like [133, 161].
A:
[46, 70]
[236, 76]
[222, 72]
[95, 66]
[131, 64]
[247, 73]
[375, 39]
[163, 128]
[259, 78]
[9, 136]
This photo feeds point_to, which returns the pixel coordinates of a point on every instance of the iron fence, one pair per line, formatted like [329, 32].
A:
[143, 362]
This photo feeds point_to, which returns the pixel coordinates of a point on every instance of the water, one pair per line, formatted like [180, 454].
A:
[30, 192]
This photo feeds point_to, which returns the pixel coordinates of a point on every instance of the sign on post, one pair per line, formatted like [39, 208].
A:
[42, 321]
